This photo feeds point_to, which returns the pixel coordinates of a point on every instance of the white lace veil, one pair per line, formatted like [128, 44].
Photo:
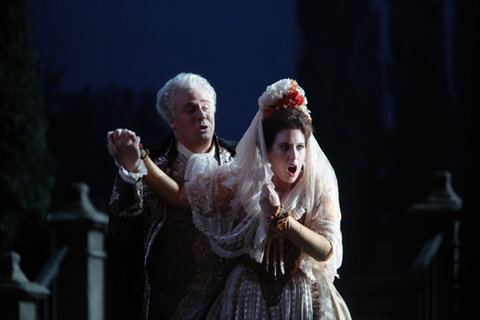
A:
[225, 199]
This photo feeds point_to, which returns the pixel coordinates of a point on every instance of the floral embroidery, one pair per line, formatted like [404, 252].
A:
[115, 195]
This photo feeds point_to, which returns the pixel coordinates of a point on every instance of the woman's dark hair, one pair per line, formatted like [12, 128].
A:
[285, 118]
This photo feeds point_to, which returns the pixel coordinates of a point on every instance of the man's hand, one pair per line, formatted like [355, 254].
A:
[269, 200]
[123, 145]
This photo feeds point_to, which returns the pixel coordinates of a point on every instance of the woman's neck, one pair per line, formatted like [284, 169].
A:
[283, 189]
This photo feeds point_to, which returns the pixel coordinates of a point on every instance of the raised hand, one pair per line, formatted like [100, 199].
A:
[123, 145]
[269, 200]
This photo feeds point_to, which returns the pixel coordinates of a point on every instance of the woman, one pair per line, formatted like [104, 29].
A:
[276, 205]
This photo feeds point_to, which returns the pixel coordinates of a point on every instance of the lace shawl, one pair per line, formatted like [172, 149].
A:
[225, 201]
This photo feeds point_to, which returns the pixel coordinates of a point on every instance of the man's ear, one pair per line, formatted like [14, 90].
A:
[171, 123]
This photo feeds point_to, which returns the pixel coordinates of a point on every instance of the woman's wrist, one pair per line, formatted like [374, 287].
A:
[277, 221]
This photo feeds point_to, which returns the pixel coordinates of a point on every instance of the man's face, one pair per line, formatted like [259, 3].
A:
[194, 124]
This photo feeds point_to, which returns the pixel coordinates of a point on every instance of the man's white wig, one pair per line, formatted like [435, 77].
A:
[166, 95]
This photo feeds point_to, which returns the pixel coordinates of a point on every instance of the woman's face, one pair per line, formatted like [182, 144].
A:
[287, 156]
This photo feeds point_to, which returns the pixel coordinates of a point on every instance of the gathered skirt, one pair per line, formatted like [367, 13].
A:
[301, 299]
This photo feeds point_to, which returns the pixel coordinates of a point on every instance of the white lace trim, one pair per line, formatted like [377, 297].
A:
[132, 177]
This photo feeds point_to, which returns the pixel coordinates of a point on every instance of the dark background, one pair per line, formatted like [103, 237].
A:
[391, 84]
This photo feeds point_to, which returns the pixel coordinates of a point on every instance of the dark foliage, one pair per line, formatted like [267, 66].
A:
[79, 122]
[27, 166]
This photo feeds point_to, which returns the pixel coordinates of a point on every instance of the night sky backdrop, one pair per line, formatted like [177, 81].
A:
[240, 47]
[390, 85]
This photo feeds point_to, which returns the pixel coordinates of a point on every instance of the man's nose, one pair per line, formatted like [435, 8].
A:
[202, 114]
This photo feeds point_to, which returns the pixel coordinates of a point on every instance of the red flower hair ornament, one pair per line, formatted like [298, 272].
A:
[285, 93]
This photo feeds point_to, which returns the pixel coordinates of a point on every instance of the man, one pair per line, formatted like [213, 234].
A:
[181, 275]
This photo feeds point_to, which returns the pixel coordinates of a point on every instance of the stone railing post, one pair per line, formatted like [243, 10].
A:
[18, 296]
[81, 280]
[437, 263]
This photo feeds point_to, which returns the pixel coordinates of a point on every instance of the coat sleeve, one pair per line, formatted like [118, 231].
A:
[126, 209]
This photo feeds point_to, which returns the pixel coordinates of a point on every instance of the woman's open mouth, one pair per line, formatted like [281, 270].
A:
[291, 170]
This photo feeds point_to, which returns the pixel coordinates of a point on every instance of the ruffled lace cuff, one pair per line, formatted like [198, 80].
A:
[132, 177]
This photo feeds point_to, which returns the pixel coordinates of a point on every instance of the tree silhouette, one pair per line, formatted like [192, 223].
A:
[79, 122]
[27, 166]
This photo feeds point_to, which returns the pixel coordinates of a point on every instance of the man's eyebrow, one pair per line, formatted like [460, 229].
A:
[194, 102]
